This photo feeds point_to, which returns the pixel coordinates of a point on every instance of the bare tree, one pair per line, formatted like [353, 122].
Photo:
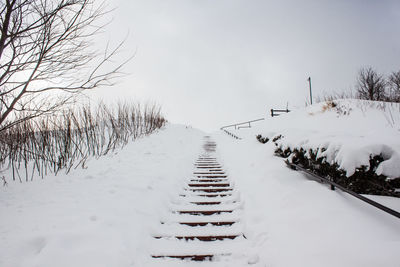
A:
[47, 56]
[394, 86]
[370, 85]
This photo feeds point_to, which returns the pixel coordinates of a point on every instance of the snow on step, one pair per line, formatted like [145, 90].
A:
[171, 230]
[204, 221]
[234, 206]
[193, 198]
[181, 249]
[209, 195]
[214, 172]
[209, 180]
[203, 184]
[174, 218]
[172, 246]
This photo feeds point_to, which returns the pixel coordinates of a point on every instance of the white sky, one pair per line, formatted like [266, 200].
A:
[214, 62]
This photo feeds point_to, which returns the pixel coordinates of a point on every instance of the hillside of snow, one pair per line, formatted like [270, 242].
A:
[346, 132]
[99, 216]
[107, 214]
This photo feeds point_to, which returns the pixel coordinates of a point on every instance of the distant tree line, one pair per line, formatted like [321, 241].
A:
[372, 85]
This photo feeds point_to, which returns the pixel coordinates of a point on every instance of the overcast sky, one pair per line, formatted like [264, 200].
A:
[216, 62]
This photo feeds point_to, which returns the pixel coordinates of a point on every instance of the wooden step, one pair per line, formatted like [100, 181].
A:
[209, 180]
[208, 168]
[211, 190]
[207, 238]
[206, 203]
[205, 223]
[205, 257]
[214, 195]
[204, 212]
[208, 212]
[207, 173]
[210, 176]
[210, 185]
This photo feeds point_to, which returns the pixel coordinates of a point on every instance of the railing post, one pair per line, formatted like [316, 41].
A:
[272, 112]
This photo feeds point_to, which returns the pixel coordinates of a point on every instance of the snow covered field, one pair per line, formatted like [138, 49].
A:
[105, 215]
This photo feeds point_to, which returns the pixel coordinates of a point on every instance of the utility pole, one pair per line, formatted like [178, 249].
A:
[309, 82]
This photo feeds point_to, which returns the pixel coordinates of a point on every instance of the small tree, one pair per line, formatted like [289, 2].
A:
[371, 85]
[47, 46]
[394, 86]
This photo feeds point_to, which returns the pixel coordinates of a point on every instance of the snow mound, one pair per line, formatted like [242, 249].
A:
[347, 132]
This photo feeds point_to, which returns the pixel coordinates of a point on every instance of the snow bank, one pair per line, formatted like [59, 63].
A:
[346, 132]
[99, 216]
[293, 221]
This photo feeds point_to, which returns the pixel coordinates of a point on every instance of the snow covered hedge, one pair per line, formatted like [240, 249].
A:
[356, 141]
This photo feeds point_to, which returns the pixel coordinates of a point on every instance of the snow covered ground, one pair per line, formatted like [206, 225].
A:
[99, 216]
[346, 133]
[294, 221]
[105, 215]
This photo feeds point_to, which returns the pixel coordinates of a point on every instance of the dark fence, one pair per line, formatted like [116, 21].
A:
[231, 134]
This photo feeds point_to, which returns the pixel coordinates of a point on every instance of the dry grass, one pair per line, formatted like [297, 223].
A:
[66, 141]
[334, 96]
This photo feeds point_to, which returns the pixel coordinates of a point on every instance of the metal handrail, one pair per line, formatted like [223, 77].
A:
[354, 194]
[241, 123]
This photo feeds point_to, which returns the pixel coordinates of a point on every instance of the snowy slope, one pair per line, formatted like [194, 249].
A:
[106, 215]
[100, 216]
[294, 221]
[346, 134]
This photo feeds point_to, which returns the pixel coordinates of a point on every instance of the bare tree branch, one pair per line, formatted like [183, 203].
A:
[371, 85]
[394, 86]
[46, 45]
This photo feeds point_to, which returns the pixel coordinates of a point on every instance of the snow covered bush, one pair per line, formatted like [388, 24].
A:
[262, 139]
[363, 181]
[356, 142]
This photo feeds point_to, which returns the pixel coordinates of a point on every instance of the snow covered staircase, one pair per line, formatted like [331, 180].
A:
[203, 222]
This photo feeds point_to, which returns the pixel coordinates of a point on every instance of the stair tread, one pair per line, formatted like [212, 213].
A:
[204, 220]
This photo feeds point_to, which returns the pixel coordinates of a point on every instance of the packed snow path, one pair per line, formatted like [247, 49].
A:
[204, 220]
